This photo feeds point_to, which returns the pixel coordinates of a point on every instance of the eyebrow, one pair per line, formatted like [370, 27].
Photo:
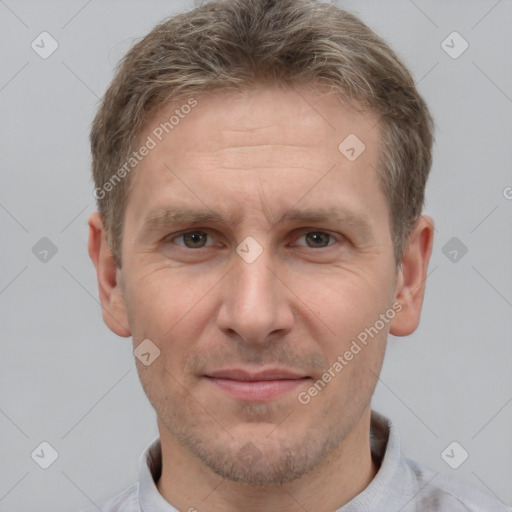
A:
[166, 217]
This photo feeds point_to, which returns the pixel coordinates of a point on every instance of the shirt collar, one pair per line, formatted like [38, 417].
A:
[150, 469]
[385, 447]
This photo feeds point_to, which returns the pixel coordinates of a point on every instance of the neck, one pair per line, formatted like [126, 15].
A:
[191, 486]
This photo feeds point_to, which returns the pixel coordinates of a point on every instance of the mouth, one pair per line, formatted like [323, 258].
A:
[256, 386]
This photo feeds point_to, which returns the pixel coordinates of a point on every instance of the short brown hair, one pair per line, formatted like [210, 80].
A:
[230, 45]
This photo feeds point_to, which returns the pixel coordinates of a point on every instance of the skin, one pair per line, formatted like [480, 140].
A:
[253, 157]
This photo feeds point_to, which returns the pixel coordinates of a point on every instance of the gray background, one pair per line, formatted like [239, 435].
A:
[66, 379]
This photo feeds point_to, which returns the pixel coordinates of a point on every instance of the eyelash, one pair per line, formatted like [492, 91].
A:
[197, 231]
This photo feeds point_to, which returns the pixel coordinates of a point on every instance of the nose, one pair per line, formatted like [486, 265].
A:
[256, 304]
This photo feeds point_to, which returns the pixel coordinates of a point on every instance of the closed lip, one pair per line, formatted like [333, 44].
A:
[248, 376]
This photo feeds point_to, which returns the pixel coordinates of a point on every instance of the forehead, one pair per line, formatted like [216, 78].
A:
[249, 146]
[272, 114]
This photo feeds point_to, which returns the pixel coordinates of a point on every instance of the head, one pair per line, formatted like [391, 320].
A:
[260, 170]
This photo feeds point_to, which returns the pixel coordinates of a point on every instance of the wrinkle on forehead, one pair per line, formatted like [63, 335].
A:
[270, 156]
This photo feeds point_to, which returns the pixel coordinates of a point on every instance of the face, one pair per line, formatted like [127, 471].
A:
[254, 255]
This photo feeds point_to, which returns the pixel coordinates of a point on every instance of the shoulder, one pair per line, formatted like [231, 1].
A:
[439, 493]
[408, 486]
[125, 501]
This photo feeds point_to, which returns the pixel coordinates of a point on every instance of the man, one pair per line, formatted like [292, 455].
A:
[260, 169]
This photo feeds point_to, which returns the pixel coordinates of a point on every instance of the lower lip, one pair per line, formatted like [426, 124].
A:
[260, 390]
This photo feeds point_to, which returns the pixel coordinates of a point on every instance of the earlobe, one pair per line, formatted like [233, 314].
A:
[410, 288]
[109, 278]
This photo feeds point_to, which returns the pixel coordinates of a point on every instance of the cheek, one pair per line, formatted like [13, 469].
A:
[354, 344]
[152, 305]
[346, 304]
[161, 304]
[355, 352]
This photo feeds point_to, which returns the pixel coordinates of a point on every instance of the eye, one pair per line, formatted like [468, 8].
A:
[192, 239]
[317, 239]
[201, 239]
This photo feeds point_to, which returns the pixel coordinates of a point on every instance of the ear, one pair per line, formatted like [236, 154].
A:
[410, 287]
[109, 278]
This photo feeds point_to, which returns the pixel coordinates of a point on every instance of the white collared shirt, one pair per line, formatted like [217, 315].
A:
[400, 485]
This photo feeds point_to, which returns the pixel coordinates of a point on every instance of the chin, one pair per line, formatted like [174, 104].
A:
[262, 470]
[259, 460]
